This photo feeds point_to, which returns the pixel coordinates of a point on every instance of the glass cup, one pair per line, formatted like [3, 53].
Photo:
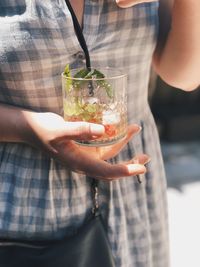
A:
[97, 100]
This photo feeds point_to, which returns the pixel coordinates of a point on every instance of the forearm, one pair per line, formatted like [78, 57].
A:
[52, 135]
[178, 61]
[13, 124]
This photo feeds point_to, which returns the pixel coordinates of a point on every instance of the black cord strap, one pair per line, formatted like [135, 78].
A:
[95, 197]
[79, 34]
[82, 42]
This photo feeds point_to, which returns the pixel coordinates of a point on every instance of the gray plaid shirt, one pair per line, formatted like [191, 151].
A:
[39, 198]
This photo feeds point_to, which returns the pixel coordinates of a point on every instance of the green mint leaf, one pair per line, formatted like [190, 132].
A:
[81, 73]
[107, 87]
[67, 73]
[103, 83]
[87, 74]
[98, 74]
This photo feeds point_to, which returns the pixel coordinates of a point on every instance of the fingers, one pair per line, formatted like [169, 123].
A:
[80, 161]
[83, 130]
[111, 151]
[124, 170]
[140, 159]
[109, 172]
[107, 152]
[134, 167]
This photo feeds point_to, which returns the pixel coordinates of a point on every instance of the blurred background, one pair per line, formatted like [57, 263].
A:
[177, 115]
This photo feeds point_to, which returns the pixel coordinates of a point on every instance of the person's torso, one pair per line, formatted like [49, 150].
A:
[38, 40]
[39, 197]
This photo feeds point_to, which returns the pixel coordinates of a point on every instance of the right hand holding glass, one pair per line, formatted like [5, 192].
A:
[55, 136]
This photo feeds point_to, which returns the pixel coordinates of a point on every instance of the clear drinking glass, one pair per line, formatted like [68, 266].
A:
[97, 100]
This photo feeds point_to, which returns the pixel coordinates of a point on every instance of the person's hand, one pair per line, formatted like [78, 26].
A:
[129, 3]
[49, 132]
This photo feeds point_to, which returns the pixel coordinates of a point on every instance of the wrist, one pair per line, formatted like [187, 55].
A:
[32, 132]
[15, 125]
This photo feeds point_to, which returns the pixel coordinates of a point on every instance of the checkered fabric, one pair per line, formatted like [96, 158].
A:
[39, 198]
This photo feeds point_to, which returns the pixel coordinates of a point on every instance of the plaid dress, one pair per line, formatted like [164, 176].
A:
[39, 198]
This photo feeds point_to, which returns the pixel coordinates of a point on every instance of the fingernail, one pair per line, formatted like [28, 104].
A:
[144, 159]
[136, 168]
[147, 160]
[139, 128]
[97, 129]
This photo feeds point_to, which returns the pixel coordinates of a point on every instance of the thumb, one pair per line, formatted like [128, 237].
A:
[83, 130]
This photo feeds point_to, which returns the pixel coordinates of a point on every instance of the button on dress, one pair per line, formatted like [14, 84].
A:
[40, 198]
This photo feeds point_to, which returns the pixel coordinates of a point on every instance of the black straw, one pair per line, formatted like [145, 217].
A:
[79, 34]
